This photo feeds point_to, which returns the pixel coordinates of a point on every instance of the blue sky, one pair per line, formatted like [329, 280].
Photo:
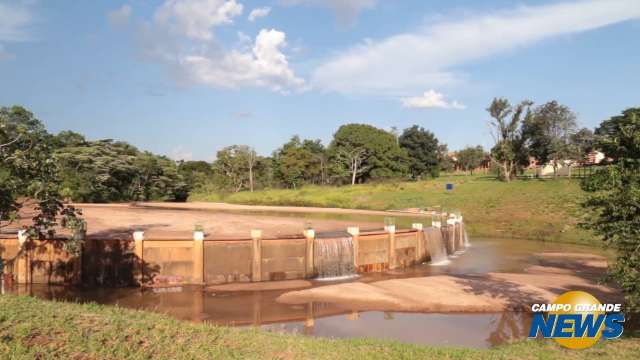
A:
[185, 78]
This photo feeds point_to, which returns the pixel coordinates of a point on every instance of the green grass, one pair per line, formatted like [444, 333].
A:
[37, 329]
[534, 209]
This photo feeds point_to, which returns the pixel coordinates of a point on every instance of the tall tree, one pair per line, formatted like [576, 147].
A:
[509, 151]
[470, 158]
[29, 172]
[362, 152]
[422, 147]
[299, 162]
[549, 132]
[232, 167]
[615, 200]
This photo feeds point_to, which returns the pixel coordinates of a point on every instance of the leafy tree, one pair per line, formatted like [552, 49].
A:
[29, 173]
[298, 162]
[615, 200]
[445, 162]
[509, 152]
[549, 132]
[234, 168]
[583, 142]
[362, 152]
[195, 173]
[470, 158]
[105, 171]
[422, 147]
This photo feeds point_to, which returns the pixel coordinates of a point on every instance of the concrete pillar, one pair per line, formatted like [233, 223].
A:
[391, 229]
[309, 320]
[256, 268]
[354, 231]
[138, 240]
[198, 257]
[451, 236]
[24, 263]
[310, 235]
[419, 242]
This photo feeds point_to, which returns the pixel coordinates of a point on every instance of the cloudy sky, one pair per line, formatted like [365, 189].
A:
[187, 77]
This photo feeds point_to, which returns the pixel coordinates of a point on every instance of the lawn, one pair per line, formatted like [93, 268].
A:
[535, 209]
[37, 329]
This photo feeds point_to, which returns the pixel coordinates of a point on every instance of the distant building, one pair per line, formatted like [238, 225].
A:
[594, 157]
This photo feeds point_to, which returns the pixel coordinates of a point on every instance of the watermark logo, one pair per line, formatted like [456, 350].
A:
[577, 320]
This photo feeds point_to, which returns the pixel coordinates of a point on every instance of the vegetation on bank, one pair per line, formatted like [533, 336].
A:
[37, 329]
[535, 209]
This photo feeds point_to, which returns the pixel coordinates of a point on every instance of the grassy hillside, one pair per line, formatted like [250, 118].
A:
[536, 209]
[36, 329]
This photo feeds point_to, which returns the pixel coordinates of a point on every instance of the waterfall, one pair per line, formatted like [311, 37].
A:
[437, 248]
[466, 238]
[333, 257]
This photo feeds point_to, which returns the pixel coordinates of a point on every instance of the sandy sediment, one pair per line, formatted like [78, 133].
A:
[490, 292]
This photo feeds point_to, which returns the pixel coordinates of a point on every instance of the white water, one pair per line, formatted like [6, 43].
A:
[333, 258]
[437, 250]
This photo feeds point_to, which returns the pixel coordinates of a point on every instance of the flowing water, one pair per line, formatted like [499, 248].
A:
[260, 308]
[437, 250]
[333, 257]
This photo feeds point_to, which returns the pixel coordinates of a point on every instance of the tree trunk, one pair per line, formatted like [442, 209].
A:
[354, 172]
[251, 178]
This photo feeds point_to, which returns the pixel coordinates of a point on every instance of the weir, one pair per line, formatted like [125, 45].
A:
[334, 257]
[156, 261]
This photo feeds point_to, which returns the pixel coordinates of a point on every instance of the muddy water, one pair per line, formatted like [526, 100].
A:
[259, 308]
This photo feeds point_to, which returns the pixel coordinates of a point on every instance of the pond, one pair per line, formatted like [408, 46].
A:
[260, 308]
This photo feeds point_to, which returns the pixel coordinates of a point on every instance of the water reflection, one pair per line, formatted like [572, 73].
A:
[259, 308]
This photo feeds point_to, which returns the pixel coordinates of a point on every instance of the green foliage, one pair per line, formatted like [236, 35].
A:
[615, 200]
[38, 329]
[509, 152]
[550, 132]
[422, 148]
[300, 162]
[233, 168]
[29, 171]
[470, 158]
[362, 152]
[108, 171]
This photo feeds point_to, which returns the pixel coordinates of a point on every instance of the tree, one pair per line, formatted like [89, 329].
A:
[232, 167]
[549, 133]
[583, 142]
[615, 200]
[29, 172]
[445, 162]
[470, 158]
[299, 162]
[361, 153]
[509, 151]
[422, 147]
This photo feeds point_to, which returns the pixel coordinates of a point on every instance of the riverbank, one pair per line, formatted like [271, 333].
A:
[33, 328]
[555, 274]
[546, 210]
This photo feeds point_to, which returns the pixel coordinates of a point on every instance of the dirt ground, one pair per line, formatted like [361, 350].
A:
[220, 221]
[490, 292]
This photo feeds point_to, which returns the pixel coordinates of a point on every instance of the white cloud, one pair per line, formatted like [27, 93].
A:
[180, 153]
[406, 62]
[258, 13]
[15, 19]
[430, 99]
[195, 18]
[264, 66]
[120, 16]
[190, 50]
[346, 11]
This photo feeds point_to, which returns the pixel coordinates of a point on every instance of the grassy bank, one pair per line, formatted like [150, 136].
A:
[535, 209]
[32, 328]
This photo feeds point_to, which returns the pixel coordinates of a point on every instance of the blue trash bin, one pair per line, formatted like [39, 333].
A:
[449, 187]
